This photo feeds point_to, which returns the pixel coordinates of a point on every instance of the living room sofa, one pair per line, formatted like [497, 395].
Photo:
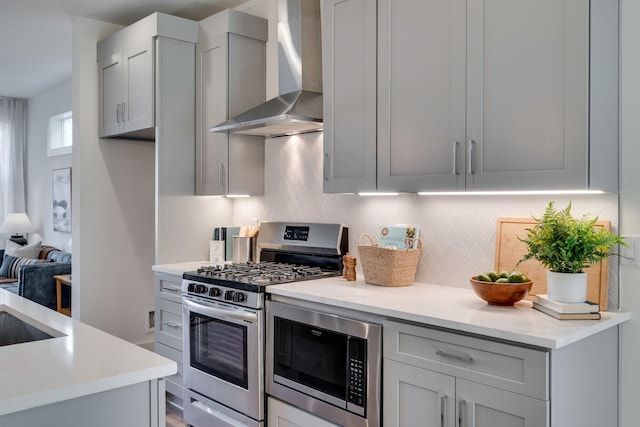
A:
[36, 282]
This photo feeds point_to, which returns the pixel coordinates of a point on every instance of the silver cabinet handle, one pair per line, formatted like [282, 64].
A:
[325, 169]
[124, 107]
[460, 357]
[443, 408]
[461, 407]
[470, 156]
[172, 288]
[118, 113]
[456, 144]
[220, 173]
[171, 324]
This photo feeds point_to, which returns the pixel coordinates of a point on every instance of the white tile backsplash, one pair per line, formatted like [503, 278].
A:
[458, 232]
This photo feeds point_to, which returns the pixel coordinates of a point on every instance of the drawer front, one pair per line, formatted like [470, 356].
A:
[168, 286]
[173, 354]
[505, 366]
[169, 323]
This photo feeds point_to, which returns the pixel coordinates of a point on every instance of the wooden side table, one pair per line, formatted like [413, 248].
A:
[63, 279]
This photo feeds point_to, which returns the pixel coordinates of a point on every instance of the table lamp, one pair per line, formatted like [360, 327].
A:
[17, 224]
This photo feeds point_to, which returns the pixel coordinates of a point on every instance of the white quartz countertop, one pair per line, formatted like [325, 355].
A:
[449, 307]
[179, 268]
[80, 361]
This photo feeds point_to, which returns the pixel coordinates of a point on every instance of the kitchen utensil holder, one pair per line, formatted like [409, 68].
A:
[388, 267]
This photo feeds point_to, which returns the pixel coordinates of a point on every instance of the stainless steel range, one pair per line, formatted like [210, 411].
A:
[223, 308]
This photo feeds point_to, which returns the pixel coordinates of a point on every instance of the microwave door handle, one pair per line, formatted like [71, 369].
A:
[218, 313]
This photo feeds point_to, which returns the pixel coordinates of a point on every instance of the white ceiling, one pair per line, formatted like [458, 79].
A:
[35, 35]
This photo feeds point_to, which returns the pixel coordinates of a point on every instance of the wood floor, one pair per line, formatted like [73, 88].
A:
[174, 417]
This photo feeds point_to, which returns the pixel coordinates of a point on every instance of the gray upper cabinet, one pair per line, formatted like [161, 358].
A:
[349, 91]
[230, 79]
[492, 95]
[127, 74]
[421, 94]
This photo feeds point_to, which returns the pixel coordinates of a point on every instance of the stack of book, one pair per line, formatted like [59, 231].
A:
[567, 310]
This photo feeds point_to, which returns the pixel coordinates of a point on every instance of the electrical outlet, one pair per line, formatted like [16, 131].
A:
[630, 255]
[216, 252]
[150, 320]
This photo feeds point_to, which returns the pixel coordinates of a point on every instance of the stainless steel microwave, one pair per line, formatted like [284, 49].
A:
[326, 364]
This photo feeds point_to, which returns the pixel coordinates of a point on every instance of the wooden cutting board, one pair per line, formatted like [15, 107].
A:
[509, 250]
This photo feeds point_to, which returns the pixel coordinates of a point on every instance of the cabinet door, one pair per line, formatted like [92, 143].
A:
[417, 397]
[280, 414]
[349, 74]
[527, 94]
[168, 286]
[421, 94]
[247, 89]
[483, 406]
[212, 149]
[110, 81]
[138, 83]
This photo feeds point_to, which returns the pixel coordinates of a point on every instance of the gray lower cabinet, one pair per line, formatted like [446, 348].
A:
[440, 378]
[139, 405]
[415, 396]
[127, 74]
[168, 328]
[230, 79]
[442, 95]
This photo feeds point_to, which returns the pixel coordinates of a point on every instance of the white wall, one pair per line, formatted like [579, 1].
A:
[113, 207]
[630, 206]
[39, 167]
[458, 232]
[114, 203]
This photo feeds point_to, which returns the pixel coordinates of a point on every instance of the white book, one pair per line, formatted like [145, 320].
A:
[568, 307]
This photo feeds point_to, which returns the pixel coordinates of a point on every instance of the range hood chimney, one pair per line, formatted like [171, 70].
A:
[298, 108]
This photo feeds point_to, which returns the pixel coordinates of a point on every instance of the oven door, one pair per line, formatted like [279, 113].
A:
[223, 354]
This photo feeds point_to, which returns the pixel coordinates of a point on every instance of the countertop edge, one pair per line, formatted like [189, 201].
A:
[78, 360]
[51, 396]
[370, 299]
[179, 267]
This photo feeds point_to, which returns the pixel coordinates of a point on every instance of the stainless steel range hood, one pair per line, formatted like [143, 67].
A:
[298, 108]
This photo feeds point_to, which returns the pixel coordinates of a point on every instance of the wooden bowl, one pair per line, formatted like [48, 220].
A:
[500, 293]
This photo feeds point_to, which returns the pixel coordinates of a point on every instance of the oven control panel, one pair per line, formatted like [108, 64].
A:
[223, 294]
[357, 387]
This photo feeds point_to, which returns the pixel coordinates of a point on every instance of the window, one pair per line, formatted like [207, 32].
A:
[60, 134]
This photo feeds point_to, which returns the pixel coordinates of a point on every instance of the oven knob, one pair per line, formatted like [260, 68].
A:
[191, 287]
[239, 297]
[201, 289]
[228, 295]
[214, 292]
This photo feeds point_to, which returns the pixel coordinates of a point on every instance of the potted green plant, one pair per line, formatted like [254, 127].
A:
[566, 245]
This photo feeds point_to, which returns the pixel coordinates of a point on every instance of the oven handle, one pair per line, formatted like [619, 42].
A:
[219, 313]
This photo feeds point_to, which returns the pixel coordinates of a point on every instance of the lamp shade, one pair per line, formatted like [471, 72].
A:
[16, 223]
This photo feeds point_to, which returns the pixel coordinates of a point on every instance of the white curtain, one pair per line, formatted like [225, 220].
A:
[12, 148]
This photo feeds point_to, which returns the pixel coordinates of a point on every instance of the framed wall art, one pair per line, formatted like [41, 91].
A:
[62, 200]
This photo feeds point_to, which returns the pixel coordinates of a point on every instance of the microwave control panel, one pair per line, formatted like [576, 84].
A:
[357, 387]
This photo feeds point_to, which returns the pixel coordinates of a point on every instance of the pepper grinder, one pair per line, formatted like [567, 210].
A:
[349, 267]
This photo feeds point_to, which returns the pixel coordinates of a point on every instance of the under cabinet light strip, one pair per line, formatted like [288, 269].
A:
[378, 194]
[507, 193]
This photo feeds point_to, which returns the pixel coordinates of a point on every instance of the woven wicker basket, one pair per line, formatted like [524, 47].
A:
[388, 267]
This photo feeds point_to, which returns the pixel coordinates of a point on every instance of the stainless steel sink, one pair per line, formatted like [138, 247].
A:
[14, 330]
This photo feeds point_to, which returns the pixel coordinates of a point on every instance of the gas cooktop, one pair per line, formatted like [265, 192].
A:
[254, 277]
[289, 252]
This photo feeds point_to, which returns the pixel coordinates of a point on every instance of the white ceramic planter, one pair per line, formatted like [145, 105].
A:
[567, 287]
